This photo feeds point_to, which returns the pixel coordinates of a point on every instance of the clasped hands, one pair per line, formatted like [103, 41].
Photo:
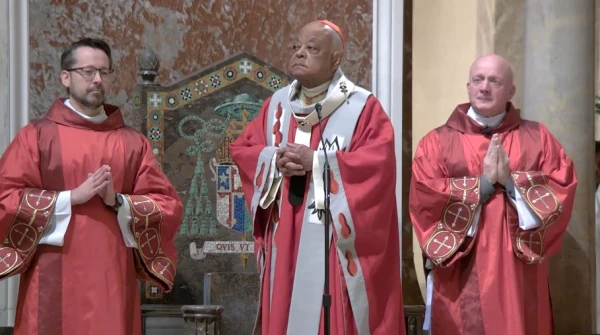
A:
[97, 183]
[495, 163]
[294, 160]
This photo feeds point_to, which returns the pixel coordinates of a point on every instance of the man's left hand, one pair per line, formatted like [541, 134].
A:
[503, 168]
[108, 194]
[299, 154]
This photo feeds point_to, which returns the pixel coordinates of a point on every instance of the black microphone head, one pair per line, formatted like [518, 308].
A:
[318, 109]
[486, 131]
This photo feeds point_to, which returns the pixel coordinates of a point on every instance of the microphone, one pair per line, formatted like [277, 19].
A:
[318, 109]
[326, 167]
[487, 131]
[320, 116]
[326, 172]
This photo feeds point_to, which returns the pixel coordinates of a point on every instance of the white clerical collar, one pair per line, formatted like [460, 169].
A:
[492, 121]
[340, 88]
[100, 118]
[313, 95]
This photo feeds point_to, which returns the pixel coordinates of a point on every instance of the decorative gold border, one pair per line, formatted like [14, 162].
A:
[37, 218]
[160, 269]
[525, 238]
[460, 205]
[144, 222]
[524, 182]
[160, 102]
[463, 194]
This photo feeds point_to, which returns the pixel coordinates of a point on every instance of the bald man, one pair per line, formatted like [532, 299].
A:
[490, 199]
[281, 164]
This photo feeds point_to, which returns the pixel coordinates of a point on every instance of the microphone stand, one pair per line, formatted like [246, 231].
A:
[326, 171]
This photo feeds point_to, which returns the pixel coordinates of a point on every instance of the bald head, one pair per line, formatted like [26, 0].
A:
[318, 52]
[493, 60]
[491, 85]
[333, 37]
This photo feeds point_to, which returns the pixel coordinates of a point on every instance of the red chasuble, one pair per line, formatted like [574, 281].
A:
[367, 169]
[89, 285]
[495, 282]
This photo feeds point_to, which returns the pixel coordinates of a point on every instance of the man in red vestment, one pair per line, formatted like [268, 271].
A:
[490, 199]
[84, 210]
[281, 164]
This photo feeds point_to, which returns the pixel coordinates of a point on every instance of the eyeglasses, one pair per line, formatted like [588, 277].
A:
[89, 72]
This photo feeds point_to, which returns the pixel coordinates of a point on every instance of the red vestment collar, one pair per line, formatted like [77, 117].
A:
[60, 113]
[460, 121]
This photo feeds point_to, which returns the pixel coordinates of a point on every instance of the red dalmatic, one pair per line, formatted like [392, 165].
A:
[88, 285]
[493, 281]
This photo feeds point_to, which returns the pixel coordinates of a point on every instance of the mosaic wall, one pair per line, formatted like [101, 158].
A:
[187, 35]
[190, 125]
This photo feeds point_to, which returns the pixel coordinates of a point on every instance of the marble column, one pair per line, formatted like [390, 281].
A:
[559, 92]
[388, 43]
[4, 77]
[4, 128]
[500, 30]
[14, 109]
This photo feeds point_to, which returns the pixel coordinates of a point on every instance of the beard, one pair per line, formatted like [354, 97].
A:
[92, 98]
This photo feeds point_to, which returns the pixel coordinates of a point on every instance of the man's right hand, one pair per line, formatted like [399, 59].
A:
[490, 161]
[93, 185]
[288, 163]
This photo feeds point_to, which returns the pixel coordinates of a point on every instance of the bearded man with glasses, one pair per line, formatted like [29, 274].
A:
[84, 210]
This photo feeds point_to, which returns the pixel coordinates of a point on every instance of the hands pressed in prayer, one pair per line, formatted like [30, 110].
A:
[490, 160]
[295, 160]
[503, 169]
[109, 194]
[94, 184]
[106, 192]
[495, 162]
